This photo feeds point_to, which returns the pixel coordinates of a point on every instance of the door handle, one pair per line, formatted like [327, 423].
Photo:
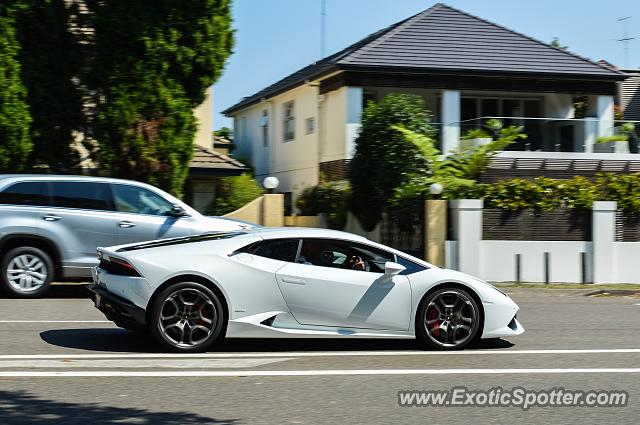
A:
[126, 224]
[294, 280]
[51, 217]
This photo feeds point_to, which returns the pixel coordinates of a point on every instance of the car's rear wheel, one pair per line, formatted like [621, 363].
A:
[448, 319]
[186, 317]
[26, 272]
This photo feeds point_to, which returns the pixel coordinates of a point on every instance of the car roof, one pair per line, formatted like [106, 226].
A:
[304, 232]
[71, 177]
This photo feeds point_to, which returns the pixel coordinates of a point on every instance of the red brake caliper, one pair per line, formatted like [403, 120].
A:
[432, 314]
[198, 307]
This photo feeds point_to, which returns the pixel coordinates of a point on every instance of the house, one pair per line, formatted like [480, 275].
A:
[466, 69]
[210, 160]
[630, 96]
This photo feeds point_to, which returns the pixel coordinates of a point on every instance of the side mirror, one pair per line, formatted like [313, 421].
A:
[392, 269]
[177, 211]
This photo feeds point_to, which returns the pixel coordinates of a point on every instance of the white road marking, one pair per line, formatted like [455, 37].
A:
[55, 321]
[183, 363]
[313, 354]
[241, 373]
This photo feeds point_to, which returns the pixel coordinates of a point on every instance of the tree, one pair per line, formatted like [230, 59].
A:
[150, 65]
[556, 43]
[51, 59]
[224, 132]
[15, 119]
[383, 156]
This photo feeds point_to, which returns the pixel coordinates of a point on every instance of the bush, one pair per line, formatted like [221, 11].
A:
[622, 188]
[383, 157]
[458, 172]
[330, 198]
[233, 193]
[545, 194]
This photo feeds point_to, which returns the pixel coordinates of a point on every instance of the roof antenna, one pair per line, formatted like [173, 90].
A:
[625, 39]
[323, 27]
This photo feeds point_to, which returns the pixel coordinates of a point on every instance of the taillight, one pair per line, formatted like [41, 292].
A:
[118, 266]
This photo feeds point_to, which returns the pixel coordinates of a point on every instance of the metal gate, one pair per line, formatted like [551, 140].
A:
[406, 238]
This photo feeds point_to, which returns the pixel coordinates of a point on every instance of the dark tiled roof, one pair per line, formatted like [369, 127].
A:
[204, 158]
[446, 39]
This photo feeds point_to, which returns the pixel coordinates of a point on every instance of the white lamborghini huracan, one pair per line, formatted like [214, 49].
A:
[292, 282]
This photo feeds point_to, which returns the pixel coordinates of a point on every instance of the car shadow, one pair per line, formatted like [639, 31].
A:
[120, 340]
[100, 339]
[21, 407]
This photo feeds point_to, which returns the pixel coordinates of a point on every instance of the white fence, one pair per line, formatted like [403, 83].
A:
[602, 260]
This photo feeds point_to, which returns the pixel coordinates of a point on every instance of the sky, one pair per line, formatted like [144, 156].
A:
[275, 38]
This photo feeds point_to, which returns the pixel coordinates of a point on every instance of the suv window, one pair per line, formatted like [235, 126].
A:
[26, 193]
[83, 195]
[276, 249]
[343, 255]
[138, 200]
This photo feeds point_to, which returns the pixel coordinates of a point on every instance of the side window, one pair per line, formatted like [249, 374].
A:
[26, 193]
[276, 249]
[343, 255]
[83, 195]
[139, 200]
[410, 265]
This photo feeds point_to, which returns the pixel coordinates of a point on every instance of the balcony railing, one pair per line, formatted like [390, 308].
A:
[557, 134]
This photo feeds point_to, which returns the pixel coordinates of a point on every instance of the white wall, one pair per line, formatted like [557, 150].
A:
[625, 262]
[606, 261]
[498, 260]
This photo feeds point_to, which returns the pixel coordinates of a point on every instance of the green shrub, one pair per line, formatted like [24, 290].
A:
[615, 138]
[545, 194]
[330, 198]
[622, 188]
[475, 133]
[233, 193]
[383, 157]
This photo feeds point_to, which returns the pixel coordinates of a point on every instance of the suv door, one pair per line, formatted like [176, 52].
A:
[80, 218]
[17, 202]
[144, 215]
[342, 284]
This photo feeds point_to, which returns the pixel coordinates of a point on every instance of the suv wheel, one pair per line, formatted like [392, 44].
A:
[26, 272]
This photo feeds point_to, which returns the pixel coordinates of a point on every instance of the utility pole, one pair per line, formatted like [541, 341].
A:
[625, 39]
[323, 27]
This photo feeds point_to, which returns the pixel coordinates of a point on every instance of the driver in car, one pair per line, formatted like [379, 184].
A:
[355, 262]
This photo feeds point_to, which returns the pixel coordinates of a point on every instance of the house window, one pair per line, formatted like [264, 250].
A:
[310, 125]
[264, 123]
[289, 122]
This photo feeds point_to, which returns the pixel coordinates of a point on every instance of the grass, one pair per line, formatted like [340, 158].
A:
[598, 287]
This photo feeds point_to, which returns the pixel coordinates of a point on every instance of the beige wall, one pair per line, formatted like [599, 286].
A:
[295, 162]
[266, 210]
[204, 115]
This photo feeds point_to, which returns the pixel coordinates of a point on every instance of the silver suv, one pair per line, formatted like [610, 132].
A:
[50, 226]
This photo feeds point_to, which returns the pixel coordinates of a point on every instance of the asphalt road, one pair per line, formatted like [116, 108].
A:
[61, 362]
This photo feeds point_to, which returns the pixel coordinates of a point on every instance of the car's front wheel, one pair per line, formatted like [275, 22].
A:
[186, 317]
[26, 272]
[448, 319]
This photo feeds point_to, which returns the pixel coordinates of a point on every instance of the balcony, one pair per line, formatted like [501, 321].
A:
[576, 135]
